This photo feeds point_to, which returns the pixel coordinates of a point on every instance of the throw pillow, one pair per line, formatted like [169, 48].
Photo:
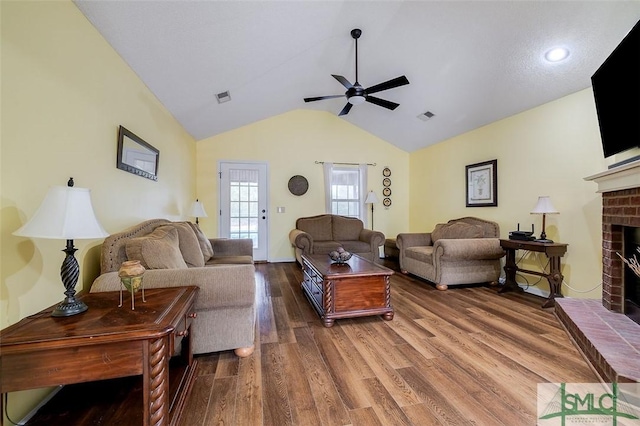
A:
[456, 230]
[189, 244]
[157, 250]
[205, 244]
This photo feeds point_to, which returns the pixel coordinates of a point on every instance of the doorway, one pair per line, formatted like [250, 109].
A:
[243, 204]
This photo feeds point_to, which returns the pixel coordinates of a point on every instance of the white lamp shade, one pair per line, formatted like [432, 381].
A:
[65, 214]
[371, 198]
[544, 206]
[197, 209]
[356, 100]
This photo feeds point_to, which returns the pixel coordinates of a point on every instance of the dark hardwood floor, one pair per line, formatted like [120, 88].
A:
[463, 356]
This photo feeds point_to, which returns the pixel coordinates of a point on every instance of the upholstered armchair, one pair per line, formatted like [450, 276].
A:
[326, 232]
[462, 251]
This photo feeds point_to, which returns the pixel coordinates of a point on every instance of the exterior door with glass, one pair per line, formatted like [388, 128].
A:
[243, 204]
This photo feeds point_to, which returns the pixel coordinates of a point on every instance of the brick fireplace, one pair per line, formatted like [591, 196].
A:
[607, 338]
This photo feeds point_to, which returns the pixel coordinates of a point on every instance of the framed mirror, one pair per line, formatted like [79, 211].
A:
[137, 156]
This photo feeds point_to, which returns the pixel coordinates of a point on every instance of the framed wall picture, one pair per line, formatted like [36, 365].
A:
[482, 184]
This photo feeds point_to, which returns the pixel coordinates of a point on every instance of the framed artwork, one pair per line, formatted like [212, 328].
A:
[482, 184]
[137, 156]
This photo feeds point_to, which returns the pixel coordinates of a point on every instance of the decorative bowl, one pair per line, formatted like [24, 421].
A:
[340, 255]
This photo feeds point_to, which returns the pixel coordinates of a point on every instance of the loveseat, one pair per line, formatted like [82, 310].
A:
[326, 232]
[178, 254]
[462, 251]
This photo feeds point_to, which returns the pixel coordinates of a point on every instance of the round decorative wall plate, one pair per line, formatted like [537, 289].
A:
[386, 202]
[298, 185]
[386, 182]
[386, 172]
[386, 192]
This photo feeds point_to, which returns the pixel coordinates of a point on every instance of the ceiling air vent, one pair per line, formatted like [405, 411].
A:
[223, 97]
[426, 116]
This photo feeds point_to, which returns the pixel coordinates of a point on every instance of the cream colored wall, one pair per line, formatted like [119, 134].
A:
[291, 143]
[64, 94]
[544, 151]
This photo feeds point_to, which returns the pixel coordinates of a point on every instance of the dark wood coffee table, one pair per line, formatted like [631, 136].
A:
[107, 342]
[354, 289]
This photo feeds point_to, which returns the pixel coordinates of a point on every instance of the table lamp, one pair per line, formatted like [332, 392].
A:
[197, 210]
[65, 213]
[371, 199]
[544, 207]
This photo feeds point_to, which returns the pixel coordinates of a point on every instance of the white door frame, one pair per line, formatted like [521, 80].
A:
[260, 253]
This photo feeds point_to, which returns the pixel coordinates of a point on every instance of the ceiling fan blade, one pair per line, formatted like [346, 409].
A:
[395, 82]
[319, 98]
[383, 103]
[346, 109]
[343, 81]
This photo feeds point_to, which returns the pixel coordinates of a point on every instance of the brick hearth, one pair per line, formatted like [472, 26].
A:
[607, 338]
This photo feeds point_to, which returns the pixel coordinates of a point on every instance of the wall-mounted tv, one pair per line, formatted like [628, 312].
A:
[616, 90]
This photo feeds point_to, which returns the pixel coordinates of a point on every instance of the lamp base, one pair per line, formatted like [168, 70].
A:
[543, 240]
[68, 307]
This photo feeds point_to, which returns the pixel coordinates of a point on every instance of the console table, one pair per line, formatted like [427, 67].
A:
[107, 342]
[554, 251]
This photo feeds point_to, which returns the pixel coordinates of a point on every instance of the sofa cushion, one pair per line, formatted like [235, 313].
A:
[325, 247]
[205, 244]
[157, 250]
[230, 260]
[189, 245]
[346, 228]
[356, 246]
[456, 230]
[319, 227]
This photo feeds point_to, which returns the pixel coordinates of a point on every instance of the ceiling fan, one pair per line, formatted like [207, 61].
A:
[356, 94]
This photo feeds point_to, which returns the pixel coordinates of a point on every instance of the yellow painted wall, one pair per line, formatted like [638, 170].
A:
[64, 94]
[544, 151]
[291, 143]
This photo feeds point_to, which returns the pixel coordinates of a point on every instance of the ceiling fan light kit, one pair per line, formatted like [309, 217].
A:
[356, 94]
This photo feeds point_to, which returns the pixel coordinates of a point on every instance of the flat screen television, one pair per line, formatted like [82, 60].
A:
[616, 90]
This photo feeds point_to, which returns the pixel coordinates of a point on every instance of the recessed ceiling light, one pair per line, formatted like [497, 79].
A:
[557, 54]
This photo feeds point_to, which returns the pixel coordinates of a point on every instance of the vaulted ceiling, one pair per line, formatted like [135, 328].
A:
[468, 62]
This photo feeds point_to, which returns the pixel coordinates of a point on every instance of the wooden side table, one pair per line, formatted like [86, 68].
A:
[554, 251]
[107, 342]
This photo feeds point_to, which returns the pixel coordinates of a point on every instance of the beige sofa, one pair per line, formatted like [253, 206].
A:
[462, 251]
[178, 254]
[326, 232]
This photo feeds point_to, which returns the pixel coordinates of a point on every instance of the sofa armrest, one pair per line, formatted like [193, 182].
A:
[301, 240]
[468, 248]
[220, 285]
[406, 240]
[232, 247]
[375, 238]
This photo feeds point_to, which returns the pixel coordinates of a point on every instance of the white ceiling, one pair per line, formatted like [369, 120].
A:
[468, 62]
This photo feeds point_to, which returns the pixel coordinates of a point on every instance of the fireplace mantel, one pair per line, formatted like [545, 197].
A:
[622, 177]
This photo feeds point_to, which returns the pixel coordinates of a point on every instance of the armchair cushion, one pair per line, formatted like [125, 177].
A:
[158, 250]
[456, 230]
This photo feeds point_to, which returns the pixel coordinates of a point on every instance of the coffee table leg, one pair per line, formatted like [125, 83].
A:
[388, 316]
[328, 322]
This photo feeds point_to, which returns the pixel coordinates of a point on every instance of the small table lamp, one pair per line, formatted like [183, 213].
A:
[371, 199]
[65, 213]
[197, 210]
[544, 207]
